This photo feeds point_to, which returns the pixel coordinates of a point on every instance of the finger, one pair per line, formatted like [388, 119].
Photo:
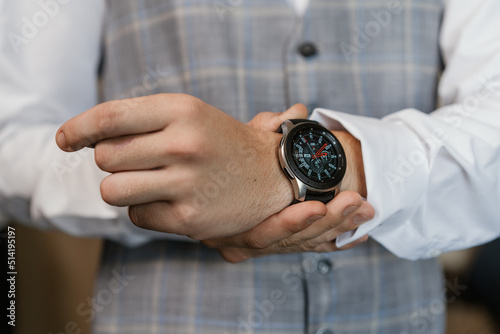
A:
[119, 118]
[296, 111]
[157, 216]
[330, 246]
[363, 214]
[168, 217]
[290, 220]
[341, 206]
[266, 121]
[270, 121]
[135, 152]
[355, 243]
[137, 187]
[236, 255]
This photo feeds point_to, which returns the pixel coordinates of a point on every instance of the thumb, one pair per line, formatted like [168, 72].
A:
[279, 226]
[270, 121]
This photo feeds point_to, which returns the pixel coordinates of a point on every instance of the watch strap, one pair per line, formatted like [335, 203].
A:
[324, 197]
[296, 121]
[321, 197]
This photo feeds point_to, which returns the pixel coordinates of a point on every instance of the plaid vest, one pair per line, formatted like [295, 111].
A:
[368, 57]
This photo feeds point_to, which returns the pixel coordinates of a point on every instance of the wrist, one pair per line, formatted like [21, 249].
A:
[354, 178]
[281, 189]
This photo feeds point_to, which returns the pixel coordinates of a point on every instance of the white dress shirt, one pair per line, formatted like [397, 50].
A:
[411, 159]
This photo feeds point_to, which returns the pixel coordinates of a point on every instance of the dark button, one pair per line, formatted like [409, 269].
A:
[308, 49]
[324, 330]
[324, 266]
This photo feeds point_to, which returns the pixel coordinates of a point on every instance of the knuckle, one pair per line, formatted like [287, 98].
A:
[191, 146]
[183, 215]
[101, 157]
[330, 235]
[326, 247]
[307, 246]
[253, 242]
[191, 106]
[186, 220]
[332, 223]
[107, 118]
[291, 225]
[288, 243]
[346, 226]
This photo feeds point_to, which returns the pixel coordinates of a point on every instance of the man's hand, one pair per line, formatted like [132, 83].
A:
[182, 165]
[296, 229]
[307, 226]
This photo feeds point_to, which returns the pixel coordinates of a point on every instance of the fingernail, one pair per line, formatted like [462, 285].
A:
[313, 219]
[360, 219]
[61, 141]
[349, 210]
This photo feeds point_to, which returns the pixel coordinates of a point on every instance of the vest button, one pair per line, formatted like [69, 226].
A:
[308, 49]
[324, 266]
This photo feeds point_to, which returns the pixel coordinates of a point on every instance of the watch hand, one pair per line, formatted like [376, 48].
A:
[310, 148]
[317, 155]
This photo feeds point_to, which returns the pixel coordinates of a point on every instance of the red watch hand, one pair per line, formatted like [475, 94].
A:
[319, 151]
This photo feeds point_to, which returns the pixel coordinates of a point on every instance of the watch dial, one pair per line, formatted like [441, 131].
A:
[314, 153]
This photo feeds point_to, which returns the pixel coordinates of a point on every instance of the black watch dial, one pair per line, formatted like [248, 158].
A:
[317, 155]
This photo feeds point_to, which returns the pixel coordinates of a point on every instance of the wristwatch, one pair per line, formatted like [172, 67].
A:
[312, 159]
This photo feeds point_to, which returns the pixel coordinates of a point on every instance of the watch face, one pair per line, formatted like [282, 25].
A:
[318, 159]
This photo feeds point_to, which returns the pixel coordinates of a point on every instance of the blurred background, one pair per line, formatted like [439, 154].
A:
[55, 275]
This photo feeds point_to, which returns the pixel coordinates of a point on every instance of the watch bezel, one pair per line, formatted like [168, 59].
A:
[294, 168]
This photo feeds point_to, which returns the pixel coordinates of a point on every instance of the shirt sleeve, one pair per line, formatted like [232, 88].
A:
[434, 179]
[49, 60]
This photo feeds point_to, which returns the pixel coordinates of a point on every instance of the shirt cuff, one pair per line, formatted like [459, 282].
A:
[392, 180]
